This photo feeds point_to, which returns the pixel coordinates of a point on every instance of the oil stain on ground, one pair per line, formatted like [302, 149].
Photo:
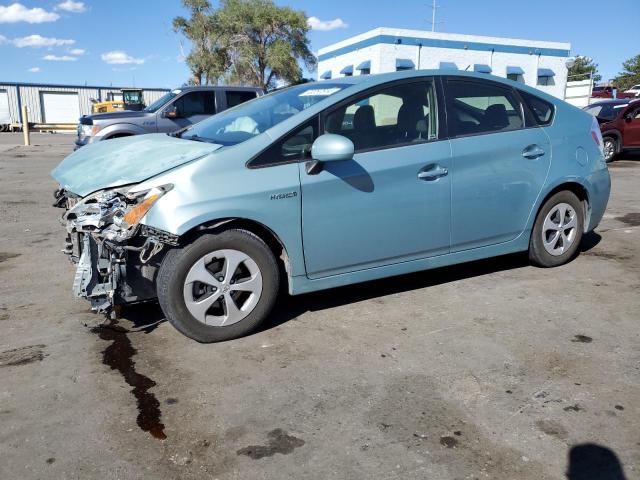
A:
[551, 428]
[119, 356]
[582, 339]
[631, 219]
[4, 256]
[22, 356]
[278, 442]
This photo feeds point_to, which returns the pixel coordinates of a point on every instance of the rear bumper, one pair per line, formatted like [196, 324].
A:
[600, 183]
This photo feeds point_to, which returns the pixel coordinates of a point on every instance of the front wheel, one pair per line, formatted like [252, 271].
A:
[558, 230]
[219, 287]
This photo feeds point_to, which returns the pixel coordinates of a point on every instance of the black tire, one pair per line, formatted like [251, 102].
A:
[537, 252]
[176, 265]
[613, 142]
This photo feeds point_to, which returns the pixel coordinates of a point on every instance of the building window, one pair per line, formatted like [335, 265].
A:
[516, 77]
[365, 71]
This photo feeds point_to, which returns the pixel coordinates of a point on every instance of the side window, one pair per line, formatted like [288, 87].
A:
[541, 110]
[396, 115]
[237, 97]
[196, 103]
[293, 147]
[636, 115]
[481, 107]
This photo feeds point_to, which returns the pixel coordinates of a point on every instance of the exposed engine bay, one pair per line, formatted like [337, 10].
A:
[116, 257]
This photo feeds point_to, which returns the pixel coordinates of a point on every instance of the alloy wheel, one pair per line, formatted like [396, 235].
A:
[222, 287]
[559, 229]
[609, 149]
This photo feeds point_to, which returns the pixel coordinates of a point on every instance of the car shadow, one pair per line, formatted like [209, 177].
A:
[290, 307]
[146, 317]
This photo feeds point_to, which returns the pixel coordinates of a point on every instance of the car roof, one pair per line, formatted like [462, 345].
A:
[216, 87]
[363, 82]
[617, 101]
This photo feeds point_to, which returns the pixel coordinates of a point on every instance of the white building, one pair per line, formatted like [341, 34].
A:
[535, 63]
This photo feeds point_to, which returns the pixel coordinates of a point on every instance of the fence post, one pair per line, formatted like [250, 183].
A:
[25, 126]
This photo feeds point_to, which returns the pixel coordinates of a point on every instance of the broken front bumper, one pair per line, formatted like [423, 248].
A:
[112, 269]
[109, 274]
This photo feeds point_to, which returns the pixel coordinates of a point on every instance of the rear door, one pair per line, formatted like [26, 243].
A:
[191, 107]
[499, 165]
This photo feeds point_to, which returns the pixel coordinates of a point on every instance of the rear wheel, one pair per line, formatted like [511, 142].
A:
[610, 147]
[558, 230]
[219, 287]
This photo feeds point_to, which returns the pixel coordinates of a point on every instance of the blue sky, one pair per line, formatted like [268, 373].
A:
[124, 42]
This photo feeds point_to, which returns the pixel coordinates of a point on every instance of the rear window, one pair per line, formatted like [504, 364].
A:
[236, 97]
[541, 110]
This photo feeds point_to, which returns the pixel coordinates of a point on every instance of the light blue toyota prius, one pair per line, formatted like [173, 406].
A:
[326, 184]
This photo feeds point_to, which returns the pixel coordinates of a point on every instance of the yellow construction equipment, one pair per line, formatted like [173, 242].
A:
[132, 99]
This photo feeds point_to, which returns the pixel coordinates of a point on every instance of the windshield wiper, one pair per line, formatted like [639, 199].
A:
[197, 138]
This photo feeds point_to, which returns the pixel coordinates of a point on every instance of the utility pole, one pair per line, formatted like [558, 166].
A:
[434, 7]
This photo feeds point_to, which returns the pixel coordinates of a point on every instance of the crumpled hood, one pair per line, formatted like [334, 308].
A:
[121, 161]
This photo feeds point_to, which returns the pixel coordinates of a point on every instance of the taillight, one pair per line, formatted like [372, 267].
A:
[596, 134]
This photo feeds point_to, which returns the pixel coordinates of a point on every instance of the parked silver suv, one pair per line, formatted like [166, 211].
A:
[176, 109]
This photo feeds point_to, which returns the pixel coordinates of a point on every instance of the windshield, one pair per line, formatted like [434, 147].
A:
[256, 116]
[155, 106]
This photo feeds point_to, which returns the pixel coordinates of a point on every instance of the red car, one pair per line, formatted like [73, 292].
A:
[619, 123]
[607, 92]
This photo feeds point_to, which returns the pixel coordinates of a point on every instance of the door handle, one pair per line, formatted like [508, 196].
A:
[532, 152]
[432, 172]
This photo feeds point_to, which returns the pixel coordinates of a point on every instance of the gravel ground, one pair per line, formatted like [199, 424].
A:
[493, 369]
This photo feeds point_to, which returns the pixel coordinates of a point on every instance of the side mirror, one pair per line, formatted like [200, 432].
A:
[332, 148]
[170, 112]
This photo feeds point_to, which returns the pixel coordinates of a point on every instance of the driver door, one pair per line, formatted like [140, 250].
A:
[391, 202]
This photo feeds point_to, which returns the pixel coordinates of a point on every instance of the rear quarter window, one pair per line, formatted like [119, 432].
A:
[541, 110]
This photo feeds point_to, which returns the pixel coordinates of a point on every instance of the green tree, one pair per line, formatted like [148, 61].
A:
[582, 68]
[208, 59]
[631, 74]
[252, 42]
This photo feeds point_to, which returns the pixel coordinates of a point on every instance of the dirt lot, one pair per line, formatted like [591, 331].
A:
[494, 369]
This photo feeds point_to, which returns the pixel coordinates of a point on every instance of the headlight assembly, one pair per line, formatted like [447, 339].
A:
[113, 214]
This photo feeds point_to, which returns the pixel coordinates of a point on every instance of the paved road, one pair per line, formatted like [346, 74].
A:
[494, 369]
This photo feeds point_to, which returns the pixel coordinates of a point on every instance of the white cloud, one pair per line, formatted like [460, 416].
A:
[16, 12]
[62, 58]
[118, 57]
[34, 69]
[325, 25]
[77, 51]
[3, 39]
[73, 7]
[39, 41]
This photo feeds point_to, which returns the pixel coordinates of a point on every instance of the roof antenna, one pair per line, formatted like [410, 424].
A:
[466, 69]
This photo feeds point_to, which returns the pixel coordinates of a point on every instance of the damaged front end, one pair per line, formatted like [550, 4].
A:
[116, 257]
